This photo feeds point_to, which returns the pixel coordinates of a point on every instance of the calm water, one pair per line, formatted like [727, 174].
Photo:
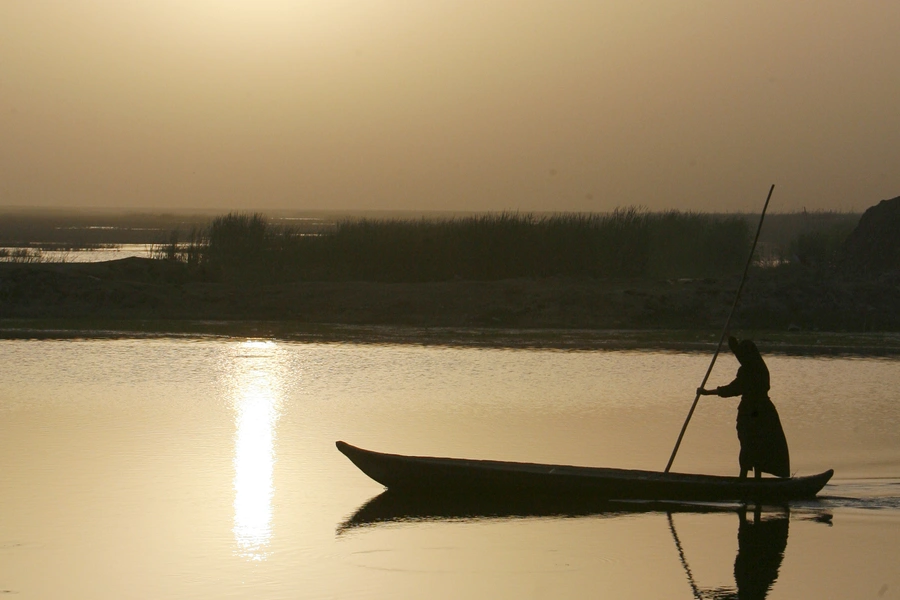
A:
[99, 255]
[207, 469]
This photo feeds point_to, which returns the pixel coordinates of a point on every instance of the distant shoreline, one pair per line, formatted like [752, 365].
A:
[784, 343]
[802, 311]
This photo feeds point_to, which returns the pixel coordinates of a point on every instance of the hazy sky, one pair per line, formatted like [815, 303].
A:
[440, 104]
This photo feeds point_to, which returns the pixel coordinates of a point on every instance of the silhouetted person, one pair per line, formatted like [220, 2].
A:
[763, 445]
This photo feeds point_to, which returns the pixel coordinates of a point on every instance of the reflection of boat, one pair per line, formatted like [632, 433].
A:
[398, 507]
[762, 539]
[424, 475]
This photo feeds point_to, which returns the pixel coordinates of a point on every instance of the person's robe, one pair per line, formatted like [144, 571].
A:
[763, 444]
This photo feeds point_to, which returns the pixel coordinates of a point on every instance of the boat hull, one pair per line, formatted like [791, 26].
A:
[452, 476]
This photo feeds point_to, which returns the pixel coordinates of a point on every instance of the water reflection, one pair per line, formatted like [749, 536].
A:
[762, 541]
[761, 546]
[257, 405]
[762, 536]
[397, 507]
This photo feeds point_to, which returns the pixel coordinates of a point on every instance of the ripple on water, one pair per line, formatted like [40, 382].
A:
[870, 494]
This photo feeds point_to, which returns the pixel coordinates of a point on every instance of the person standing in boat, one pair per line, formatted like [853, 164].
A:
[763, 445]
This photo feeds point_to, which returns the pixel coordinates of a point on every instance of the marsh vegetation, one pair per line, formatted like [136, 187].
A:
[624, 243]
[386, 246]
[629, 269]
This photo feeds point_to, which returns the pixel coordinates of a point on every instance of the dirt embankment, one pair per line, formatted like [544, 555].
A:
[774, 299]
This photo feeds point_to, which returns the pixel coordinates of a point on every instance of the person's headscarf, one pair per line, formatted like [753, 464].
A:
[748, 355]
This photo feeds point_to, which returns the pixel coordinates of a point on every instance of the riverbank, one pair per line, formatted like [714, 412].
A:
[799, 310]
[787, 343]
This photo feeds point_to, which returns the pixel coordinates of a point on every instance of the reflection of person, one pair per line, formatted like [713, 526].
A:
[761, 545]
[763, 445]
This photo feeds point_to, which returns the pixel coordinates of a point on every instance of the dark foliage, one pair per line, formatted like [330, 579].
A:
[624, 243]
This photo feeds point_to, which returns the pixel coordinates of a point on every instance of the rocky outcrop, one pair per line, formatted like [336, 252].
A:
[874, 246]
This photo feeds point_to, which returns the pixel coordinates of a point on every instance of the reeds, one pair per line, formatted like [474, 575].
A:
[625, 243]
[487, 247]
[21, 255]
[805, 237]
[191, 251]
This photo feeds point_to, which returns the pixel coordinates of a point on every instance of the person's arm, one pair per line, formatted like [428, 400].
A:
[735, 388]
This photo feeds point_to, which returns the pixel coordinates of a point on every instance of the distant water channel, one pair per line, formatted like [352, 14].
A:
[113, 252]
[206, 468]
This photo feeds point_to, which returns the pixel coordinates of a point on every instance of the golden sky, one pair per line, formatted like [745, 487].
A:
[449, 104]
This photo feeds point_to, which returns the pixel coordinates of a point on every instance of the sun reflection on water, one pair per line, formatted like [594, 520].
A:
[257, 406]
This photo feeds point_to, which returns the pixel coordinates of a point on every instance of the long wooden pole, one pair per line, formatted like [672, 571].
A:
[737, 297]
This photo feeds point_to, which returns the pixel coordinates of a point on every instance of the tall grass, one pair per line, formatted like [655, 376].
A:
[191, 250]
[804, 237]
[625, 243]
[696, 245]
[21, 255]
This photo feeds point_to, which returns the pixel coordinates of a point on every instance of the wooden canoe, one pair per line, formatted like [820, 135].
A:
[452, 476]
